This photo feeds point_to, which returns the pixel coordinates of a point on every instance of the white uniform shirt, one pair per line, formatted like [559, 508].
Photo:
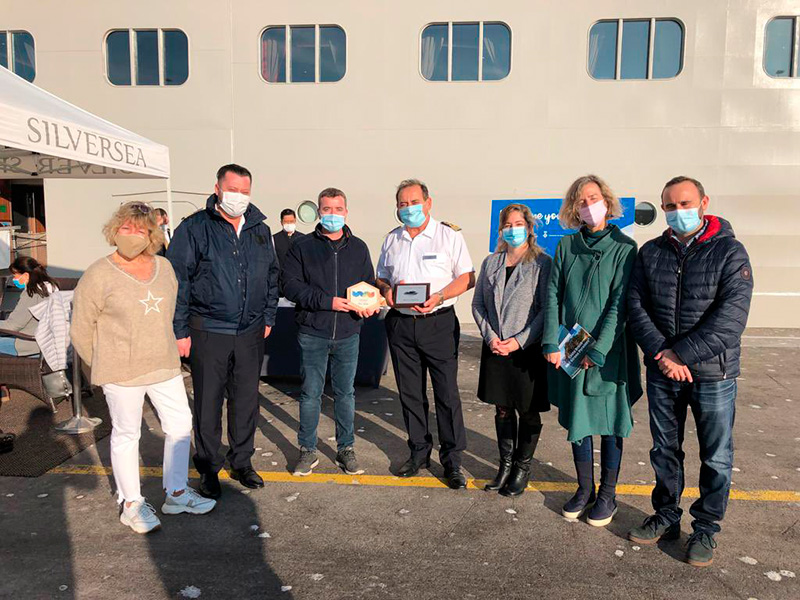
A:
[437, 255]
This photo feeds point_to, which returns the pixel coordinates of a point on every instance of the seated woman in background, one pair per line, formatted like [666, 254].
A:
[31, 277]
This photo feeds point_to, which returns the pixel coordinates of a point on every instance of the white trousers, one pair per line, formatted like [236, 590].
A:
[125, 407]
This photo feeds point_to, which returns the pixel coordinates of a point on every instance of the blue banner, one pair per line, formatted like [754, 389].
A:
[549, 230]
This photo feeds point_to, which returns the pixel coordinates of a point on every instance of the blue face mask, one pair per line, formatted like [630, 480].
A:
[684, 220]
[18, 284]
[412, 216]
[332, 223]
[515, 236]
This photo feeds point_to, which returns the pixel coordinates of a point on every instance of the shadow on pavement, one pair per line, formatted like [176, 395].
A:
[47, 550]
[219, 553]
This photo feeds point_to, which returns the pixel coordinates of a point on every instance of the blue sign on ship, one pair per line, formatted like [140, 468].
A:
[549, 230]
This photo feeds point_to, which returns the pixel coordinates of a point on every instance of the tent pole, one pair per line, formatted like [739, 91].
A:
[172, 223]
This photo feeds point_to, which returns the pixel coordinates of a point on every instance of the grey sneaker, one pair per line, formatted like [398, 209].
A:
[700, 549]
[308, 460]
[188, 502]
[655, 528]
[346, 459]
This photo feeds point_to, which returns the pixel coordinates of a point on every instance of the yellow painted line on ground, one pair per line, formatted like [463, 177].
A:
[432, 482]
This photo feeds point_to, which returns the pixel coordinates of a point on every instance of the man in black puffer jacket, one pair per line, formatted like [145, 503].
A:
[688, 302]
[316, 274]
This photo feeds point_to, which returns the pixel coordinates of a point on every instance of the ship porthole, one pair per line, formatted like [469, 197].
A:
[644, 214]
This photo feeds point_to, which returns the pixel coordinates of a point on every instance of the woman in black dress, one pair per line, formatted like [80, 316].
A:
[508, 308]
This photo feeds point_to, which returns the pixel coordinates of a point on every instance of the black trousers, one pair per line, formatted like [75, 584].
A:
[421, 345]
[225, 365]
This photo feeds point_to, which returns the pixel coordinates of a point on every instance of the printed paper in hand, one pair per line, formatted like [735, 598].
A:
[574, 344]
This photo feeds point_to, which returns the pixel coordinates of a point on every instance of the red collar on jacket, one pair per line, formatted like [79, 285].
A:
[713, 227]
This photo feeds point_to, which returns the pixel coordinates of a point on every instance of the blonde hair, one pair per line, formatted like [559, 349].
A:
[141, 215]
[569, 215]
[534, 249]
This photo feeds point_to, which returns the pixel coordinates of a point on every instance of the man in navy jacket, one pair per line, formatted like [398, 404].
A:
[688, 303]
[316, 274]
[227, 298]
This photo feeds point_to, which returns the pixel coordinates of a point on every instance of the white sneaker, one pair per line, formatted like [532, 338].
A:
[139, 516]
[188, 502]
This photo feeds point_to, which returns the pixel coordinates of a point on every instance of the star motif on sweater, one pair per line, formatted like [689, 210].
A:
[151, 303]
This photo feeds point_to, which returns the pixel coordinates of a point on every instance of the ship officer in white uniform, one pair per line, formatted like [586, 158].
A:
[424, 339]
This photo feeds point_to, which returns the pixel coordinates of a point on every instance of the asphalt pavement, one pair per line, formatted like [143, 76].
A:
[334, 536]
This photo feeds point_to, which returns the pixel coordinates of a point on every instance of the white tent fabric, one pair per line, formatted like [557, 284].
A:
[42, 135]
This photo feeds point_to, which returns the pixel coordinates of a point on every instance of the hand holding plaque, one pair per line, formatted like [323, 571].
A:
[364, 298]
[408, 295]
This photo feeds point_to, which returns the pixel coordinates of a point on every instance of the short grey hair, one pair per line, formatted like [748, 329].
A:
[407, 183]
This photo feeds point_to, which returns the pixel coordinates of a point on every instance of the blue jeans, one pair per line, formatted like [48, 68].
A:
[610, 451]
[714, 408]
[343, 355]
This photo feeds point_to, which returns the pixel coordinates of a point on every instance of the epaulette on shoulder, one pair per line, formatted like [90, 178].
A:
[391, 231]
[452, 226]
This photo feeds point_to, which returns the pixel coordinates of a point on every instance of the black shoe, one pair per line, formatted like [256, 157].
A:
[209, 486]
[455, 479]
[247, 477]
[503, 473]
[6, 442]
[517, 481]
[410, 468]
[506, 438]
[527, 440]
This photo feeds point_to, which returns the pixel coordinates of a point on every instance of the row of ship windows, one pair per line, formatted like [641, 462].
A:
[453, 51]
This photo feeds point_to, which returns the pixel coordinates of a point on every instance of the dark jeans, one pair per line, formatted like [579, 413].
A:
[610, 451]
[343, 356]
[225, 365]
[714, 407]
[428, 345]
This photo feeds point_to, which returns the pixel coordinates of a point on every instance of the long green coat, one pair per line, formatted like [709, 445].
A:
[589, 286]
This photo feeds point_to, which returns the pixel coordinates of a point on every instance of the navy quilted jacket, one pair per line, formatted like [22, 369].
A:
[694, 303]
[226, 283]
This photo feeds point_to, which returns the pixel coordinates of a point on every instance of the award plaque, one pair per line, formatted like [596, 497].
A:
[364, 296]
[407, 295]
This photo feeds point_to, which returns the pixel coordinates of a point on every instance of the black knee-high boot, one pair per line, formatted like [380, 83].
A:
[527, 440]
[506, 428]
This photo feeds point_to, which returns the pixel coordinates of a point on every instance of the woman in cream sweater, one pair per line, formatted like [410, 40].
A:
[122, 328]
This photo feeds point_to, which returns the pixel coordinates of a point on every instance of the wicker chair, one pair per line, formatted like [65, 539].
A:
[25, 372]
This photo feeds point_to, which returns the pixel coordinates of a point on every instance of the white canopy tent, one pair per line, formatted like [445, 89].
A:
[43, 136]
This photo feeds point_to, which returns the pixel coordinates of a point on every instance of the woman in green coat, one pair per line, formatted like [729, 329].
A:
[588, 286]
